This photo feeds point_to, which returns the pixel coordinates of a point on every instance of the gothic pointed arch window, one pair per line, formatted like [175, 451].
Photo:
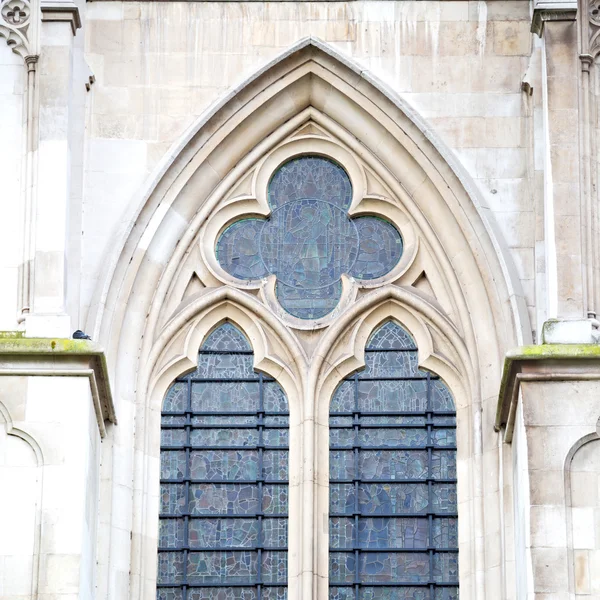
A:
[223, 479]
[393, 527]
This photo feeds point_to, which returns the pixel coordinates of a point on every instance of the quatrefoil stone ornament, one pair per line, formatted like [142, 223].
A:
[15, 12]
[309, 241]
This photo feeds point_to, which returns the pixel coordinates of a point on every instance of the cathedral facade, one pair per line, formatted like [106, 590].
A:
[298, 300]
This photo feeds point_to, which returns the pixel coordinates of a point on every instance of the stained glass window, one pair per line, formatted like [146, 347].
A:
[393, 528]
[309, 241]
[223, 479]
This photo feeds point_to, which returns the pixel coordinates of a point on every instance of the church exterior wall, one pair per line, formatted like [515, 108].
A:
[133, 133]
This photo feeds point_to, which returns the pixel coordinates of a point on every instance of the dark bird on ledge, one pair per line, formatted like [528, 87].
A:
[79, 335]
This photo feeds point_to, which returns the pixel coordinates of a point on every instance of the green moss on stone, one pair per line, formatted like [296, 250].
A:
[11, 334]
[24, 345]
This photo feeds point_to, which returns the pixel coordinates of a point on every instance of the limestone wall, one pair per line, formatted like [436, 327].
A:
[159, 65]
[12, 132]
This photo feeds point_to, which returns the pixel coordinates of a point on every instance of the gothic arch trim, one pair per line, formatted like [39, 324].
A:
[442, 351]
[154, 206]
[309, 82]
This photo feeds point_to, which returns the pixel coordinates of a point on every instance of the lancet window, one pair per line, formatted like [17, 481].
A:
[393, 528]
[224, 479]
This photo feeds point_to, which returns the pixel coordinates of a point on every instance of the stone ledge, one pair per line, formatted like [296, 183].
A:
[60, 357]
[547, 362]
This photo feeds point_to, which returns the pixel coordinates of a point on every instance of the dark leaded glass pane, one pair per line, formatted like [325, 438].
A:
[341, 532]
[275, 533]
[222, 593]
[393, 396]
[274, 566]
[379, 250]
[171, 533]
[275, 499]
[398, 464]
[225, 397]
[173, 437]
[310, 177]
[391, 337]
[309, 303]
[222, 567]
[344, 398]
[394, 593]
[226, 533]
[274, 593]
[176, 398]
[226, 338]
[309, 241]
[224, 465]
[394, 498]
[392, 437]
[224, 437]
[170, 567]
[274, 398]
[238, 250]
[385, 532]
[224, 499]
[391, 364]
[170, 594]
[341, 567]
[341, 593]
[225, 526]
[224, 366]
[396, 515]
[394, 567]
[172, 499]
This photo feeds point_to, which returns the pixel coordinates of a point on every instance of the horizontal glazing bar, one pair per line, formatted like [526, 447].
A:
[265, 516]
[212, 413]
[387, 448]
[250, 583]
[224, 380]
[400, 413]
[395, 584]
[223, 426]
[387, 350]
[230, 447]
[424, 480]
[227, 352]
[421, 515]
[239, 481]
[225, 549]
[362, 549]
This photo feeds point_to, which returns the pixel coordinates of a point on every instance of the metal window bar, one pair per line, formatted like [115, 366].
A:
[356, 424]
[261, 425]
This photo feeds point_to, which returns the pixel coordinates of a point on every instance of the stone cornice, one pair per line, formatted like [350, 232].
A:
[63, 11]
[548, 362]
[47, 357]
[547, 10]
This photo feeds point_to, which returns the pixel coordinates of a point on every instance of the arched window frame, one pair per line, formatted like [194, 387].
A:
[143, 320]
[436, 548]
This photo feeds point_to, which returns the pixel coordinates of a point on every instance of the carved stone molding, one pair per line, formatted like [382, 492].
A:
[62, 10]
[15, 25]
[549, 10]
[593, 31]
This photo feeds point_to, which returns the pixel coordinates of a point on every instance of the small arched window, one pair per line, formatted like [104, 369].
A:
[224, 479]
[393, 528]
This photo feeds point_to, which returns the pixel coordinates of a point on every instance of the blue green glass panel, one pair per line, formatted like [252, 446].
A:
[392, 463]
[309, 241]
[379, 248]
[226, 338]
[224, 499]
[220, 593]
[391, 336]
[223, 525]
